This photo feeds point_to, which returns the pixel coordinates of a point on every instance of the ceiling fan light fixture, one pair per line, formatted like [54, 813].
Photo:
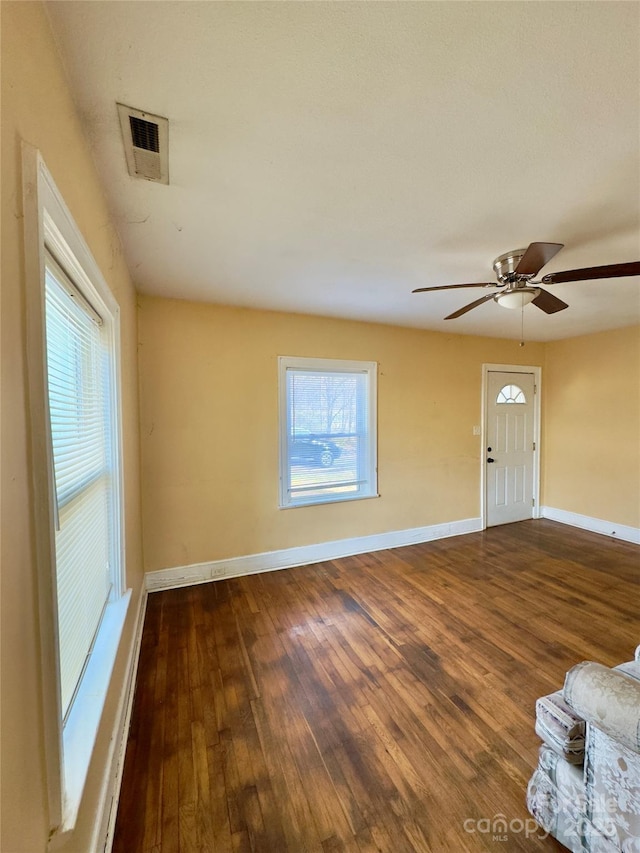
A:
[513, 299]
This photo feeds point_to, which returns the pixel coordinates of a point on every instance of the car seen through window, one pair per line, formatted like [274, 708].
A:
[307, 447]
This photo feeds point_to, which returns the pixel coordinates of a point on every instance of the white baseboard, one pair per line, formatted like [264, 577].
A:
[289, 557]
[102, 840]
[595, 525]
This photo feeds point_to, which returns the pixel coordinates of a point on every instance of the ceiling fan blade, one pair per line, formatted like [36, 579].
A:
[548, 302]
[455, 286]
[468, 307]
[536, 256]
[607, 271]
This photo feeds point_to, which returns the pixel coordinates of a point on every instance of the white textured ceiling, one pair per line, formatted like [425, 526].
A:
[329, 157]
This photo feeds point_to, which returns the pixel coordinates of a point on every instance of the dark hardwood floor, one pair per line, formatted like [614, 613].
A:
[383, 702]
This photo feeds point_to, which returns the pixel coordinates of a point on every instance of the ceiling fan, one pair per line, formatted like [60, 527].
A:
[516, 287]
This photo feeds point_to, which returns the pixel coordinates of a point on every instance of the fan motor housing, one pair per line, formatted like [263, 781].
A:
[505, 266]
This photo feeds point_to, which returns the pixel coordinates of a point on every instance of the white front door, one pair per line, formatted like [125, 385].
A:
[509, 447]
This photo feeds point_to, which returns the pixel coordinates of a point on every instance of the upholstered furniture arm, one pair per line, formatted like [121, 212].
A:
[560, 727]
[606, 698]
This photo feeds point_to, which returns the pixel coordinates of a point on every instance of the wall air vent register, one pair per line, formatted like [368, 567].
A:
[146, 144]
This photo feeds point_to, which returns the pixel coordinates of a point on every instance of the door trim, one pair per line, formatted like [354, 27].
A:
[537, 399]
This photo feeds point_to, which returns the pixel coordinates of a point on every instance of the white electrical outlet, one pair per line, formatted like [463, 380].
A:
[476, 430]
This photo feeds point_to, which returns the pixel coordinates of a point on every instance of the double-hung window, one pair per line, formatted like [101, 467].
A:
[73, 339]
[79, 390]
[327, 430]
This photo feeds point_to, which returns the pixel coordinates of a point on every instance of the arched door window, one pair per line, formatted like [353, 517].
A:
[511, 394]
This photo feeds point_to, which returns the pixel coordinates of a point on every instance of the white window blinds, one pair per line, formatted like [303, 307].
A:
[78, 372]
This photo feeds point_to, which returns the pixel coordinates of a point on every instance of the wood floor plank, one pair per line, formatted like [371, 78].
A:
[382, 702]
[170, 833]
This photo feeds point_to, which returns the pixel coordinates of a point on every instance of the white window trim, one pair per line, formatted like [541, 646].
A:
[48, 222]
[335, 365]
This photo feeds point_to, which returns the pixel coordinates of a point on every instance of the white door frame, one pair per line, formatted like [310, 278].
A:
[537, 397]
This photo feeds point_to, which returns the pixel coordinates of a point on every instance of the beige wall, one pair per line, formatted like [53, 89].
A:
[592, 426]
[209, 415]
[36, 107]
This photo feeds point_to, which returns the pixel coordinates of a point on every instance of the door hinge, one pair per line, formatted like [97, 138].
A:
[533, 501]
[535, 389]
[534, 445]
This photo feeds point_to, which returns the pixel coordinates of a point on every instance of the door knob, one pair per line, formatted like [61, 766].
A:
[490, 459]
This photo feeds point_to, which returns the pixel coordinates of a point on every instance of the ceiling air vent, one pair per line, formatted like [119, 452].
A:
[146, 144]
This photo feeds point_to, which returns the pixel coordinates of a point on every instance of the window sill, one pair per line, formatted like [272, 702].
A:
[332, 500]
[81, 728]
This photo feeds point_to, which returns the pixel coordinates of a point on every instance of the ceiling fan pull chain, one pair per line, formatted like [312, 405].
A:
[522, 326]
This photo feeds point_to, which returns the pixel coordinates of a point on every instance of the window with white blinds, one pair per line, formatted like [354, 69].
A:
[75, 402]
[327, 430]
[79, 378]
